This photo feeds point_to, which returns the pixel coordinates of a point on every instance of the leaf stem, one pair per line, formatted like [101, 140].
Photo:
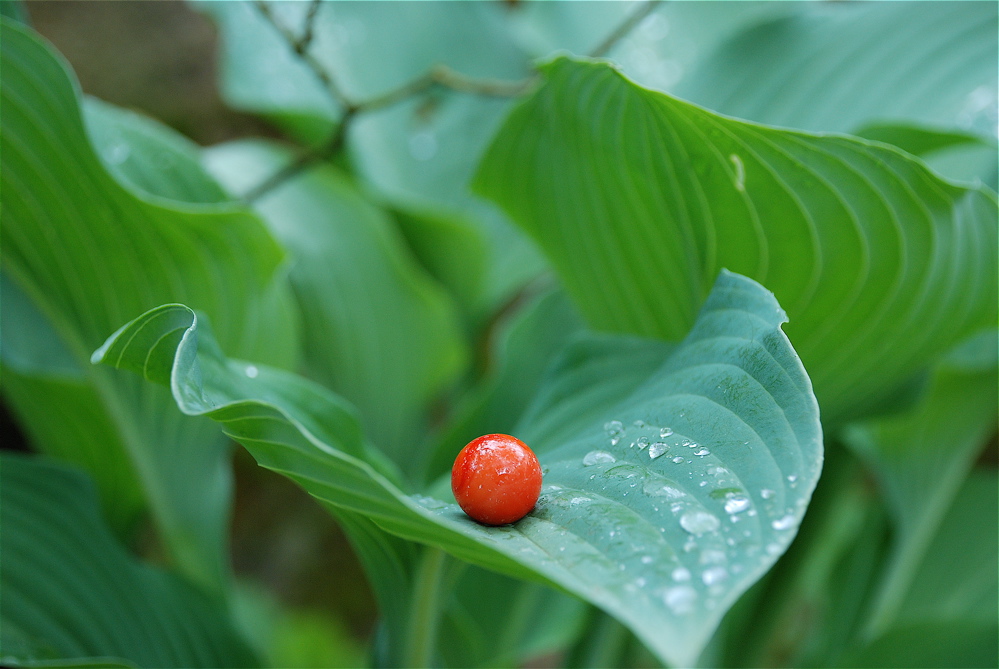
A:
[425, 609]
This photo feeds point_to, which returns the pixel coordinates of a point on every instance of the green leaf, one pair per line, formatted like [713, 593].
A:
[639, 198]
[920, 458]
[72, 596]
[147, 156]
[377, 329]
[948, 617]
[87, 254]
[839, 67]
[664, 543]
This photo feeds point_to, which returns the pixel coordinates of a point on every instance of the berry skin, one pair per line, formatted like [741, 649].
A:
[496, 479]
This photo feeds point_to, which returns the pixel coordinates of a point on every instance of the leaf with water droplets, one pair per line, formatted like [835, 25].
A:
[733, 387]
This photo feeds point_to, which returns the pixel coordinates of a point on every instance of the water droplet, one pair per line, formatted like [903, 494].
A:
[736, 503]
[681, 574]
[598, 457]
[767, 493]
[703, 484]
[678, 459]
[773, 549]
[665, 432]
[680, 598]
[654, 488]
[791, 478]
[699, 522]
[646, 559]
[713, 556]
[575, 501]
[714, 575]
[785, 523]
[252, 371]
[423, 145]
[657, 449]
[640, 582]
[117, 153]
[702, 452]
[614, 428]
[639, 423]
[643, 443]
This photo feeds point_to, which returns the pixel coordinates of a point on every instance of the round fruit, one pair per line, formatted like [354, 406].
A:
[496, 479]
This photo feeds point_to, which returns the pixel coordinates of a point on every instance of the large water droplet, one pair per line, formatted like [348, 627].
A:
[699, 522]
[252, 371]
[714, 575]
[665, 432]
[680, 598]
[785, 523]
[598, 457]
[655, 488]
[702, 452]
[657, 449]
[736, 503]
[678, 459]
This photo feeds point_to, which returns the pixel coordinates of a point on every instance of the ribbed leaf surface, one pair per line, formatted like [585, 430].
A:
[661, 511]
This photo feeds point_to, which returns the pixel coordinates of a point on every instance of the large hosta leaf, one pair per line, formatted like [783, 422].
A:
[662, 510]
[639, 198]
[838, 67]
[72, 596]
[85, 253]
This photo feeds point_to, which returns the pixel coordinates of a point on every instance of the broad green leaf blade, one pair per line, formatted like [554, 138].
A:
[376, 328]
[639, 198]
[142, 154]
[920, 458]
[949, 616]
[663, 536]
[839, 67]
[89, 254]
[73, 595]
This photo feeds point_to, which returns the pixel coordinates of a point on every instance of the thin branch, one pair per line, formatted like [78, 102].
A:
[303, 162]
[305, 40]
[445, 77]
[624, 28]
[300, 47]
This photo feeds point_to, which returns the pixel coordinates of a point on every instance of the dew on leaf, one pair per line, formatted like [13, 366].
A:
[714, 575]
[680, 574]
[699, 522]
[598, 457]
[784, 523]
[680, 598]
[678, 459]
[767, 493]
[665, 432]
[736, 503]
[657, 449]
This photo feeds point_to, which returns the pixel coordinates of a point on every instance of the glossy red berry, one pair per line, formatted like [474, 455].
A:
[496, 479]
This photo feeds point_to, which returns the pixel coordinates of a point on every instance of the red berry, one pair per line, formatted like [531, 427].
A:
[496, 479]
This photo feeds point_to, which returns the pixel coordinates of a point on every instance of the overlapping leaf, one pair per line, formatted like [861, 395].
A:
[661, 510]
[72, 596]
[376, 328]
[639, 198]
[86, 254]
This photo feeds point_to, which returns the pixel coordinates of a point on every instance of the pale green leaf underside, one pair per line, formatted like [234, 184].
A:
[73, 595]
[639, 198]
[665, 544]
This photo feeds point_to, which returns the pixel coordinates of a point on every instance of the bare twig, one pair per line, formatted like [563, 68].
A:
[624, 28]
[300, 47]
[438, 75]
